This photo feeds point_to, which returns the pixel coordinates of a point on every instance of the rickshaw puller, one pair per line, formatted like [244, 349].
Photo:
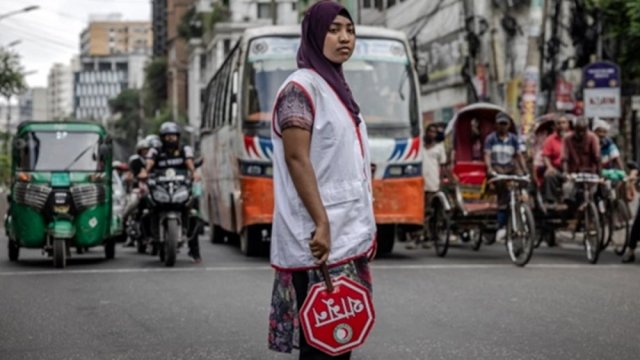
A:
[552, 156]
[502, 155]
[580, 153]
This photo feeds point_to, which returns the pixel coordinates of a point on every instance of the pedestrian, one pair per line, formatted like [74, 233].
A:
[434, 166]
[609, 152]
[322, 176]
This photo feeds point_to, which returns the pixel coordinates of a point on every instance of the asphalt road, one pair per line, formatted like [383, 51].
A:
[470, 305]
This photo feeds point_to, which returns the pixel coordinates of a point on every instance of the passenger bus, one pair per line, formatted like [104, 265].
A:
[236, 133]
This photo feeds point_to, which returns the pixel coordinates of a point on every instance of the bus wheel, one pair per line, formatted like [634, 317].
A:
[385, 238]
[251, 241]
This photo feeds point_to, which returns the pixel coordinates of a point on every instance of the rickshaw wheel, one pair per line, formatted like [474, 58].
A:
[110, 248]
[618, 220]
[476, 239]
[59, 253]
[527, 230]
[440, 230]
[171, 242]
[14, 250]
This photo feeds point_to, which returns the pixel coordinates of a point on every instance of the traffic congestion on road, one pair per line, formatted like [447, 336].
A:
[298, 191]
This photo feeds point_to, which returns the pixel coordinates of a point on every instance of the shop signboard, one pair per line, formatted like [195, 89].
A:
[601, 90]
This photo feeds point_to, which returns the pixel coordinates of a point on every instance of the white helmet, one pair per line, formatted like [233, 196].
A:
[142, 144]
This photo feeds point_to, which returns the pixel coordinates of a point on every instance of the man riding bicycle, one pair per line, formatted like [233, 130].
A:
[502, 155]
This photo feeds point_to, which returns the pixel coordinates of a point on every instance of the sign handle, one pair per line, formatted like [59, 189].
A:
[325, 272]
[327, 278]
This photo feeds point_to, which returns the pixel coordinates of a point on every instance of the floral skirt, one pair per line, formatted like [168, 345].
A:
[284, 324]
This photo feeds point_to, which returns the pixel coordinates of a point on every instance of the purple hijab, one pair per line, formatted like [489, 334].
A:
[315, 26]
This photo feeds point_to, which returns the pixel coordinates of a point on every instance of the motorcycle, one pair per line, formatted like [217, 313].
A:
[170, 215]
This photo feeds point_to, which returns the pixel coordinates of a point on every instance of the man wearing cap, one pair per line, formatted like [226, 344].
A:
[609, 153]
[502, 155]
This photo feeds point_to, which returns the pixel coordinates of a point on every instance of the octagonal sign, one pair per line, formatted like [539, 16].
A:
[338, 321]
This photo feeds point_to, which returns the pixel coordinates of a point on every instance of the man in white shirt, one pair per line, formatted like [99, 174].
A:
[434, 160]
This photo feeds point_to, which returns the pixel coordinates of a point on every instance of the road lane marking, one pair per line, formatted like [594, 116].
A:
[376, 267]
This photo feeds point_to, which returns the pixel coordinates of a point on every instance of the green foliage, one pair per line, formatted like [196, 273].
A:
[621, 25]
[11, 77]
[155, 86]
[5, 169]
[128, 111]
[191, 24]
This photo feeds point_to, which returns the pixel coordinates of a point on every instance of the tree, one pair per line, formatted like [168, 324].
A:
[155, 86]
[11, 74]
[128, 113]
[11, 83]
[621, 33]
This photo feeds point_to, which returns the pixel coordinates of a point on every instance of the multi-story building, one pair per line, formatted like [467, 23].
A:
[206, 55]
[60, 91]
[34, 105]
[109, 35]
[103, 78]
[159, 27]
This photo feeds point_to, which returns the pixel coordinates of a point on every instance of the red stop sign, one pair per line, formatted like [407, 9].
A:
[338, 321]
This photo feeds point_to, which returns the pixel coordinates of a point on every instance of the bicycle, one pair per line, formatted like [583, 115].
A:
[588, 215]
[521, 228]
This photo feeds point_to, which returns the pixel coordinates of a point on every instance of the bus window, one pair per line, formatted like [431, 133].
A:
[379, 74]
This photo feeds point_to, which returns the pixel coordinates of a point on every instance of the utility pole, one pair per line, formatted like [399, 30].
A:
[274, 12]
[531, 79]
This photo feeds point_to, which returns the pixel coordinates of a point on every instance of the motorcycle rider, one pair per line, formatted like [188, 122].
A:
[135, 190]
[173, 155]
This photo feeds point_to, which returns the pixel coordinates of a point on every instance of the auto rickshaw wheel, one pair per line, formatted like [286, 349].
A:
[14, 250]
[110, 248]
[59, 253]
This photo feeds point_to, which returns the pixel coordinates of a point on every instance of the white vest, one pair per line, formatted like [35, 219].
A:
[341, 162]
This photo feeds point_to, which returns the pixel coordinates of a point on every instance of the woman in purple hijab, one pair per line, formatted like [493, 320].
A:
[322, 179]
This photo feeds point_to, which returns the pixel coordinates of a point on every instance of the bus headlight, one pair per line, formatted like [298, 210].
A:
[256, 169]
[404, 170]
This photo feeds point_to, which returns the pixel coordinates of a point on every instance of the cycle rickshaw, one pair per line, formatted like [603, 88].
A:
[464, 206]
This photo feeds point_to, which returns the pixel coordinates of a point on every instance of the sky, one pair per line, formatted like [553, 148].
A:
[51, 33]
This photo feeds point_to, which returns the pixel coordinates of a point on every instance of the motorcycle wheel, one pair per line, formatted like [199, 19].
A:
[59, 253]
[170, 245]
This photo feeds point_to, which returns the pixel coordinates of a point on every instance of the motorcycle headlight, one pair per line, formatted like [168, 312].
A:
[181, 195]
[160, 195]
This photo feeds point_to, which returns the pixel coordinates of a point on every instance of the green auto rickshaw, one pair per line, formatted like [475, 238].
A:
[61, 189]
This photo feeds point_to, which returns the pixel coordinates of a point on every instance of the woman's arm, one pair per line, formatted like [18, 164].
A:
[296, 143]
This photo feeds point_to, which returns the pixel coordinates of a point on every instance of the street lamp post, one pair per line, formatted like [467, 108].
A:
[15, 12]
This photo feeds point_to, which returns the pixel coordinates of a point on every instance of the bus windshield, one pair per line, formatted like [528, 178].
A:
[379, 73]
[59, 151]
